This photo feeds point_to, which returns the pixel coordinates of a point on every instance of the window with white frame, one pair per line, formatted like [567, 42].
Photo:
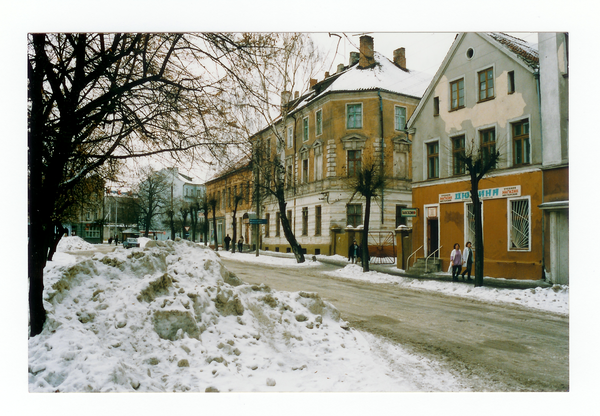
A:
[486, 84]
[319, 123]
[457, 94]
[318, 149]
[305, 129]
[290, 136]
[519, 224]
[399, 117]
[354, 116]
[433, 160]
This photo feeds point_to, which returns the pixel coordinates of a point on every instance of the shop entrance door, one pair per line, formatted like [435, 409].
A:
[432, 235]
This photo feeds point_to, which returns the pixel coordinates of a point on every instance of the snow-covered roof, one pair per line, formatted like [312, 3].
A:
[385, 75]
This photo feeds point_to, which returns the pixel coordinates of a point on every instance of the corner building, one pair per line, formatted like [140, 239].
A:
[485, 95]
[350, 117]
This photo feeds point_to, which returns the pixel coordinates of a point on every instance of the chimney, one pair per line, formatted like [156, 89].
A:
[340, 68]
[366, 52]
[313, 82]
[400, 58]
[296, 94]
[354, 56]
[326, 74]
[285, 98]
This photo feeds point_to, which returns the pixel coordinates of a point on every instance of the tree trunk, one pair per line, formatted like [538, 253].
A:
[215, 229]
[205, 230]
[287, 231]
[478, 252]
[365, 237]
[234, 239]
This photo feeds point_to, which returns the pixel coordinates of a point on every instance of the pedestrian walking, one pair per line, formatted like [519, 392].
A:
[456, 261]
[116, 241]
[467, 260]
[227, 241]
[240, 245]
[354, 252]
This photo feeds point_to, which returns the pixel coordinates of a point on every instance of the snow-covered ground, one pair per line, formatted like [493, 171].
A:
[73, 243]
[553, 299]
[169, 317]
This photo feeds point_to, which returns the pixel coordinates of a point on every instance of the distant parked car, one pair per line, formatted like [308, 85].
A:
[131, 242]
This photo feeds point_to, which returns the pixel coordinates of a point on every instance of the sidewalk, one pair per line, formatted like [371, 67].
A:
[440, 276]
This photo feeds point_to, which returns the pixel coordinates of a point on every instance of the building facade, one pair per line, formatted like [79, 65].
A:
[353, 117]
[233, 181]
[484, 97]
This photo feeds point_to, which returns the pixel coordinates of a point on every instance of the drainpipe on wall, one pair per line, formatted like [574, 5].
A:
[536, 75]
[382, 143]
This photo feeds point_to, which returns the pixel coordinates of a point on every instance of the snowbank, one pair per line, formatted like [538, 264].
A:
[170, 317]
[553, 299]
[73, 243]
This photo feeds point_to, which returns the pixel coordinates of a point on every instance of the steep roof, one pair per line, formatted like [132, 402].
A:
[384, 76]
[527, 52]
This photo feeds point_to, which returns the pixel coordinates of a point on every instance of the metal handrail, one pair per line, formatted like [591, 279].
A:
[414, 252]
[430, 256]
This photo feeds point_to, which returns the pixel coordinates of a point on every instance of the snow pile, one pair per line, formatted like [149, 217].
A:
[553, 299]
[170, 317]
[73, 243]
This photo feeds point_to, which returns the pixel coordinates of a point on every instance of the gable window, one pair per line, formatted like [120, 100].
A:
[290, 136]
[521, 144]
[319, 123]
[458, 152]
[433, 160]
[488, 143]
[519, 224]
[354, 214]
[305, 221]
[511, 82]
[486, 84]
[436, 106]
[354, 116]
[400, 117]
[354, 162]
[457, 92]
[305, 129]
[318, 220]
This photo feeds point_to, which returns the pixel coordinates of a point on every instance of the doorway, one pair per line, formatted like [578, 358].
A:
[432, 235]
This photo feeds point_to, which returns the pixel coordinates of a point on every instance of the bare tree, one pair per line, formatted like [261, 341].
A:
[268, 110]
[151, 197]
[368, 181]
[96, 99]
[478, 162]
[204, 208]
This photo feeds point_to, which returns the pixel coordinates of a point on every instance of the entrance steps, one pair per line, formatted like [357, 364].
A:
[433, 265]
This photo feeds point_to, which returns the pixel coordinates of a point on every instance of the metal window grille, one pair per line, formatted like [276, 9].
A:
[519, 224]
